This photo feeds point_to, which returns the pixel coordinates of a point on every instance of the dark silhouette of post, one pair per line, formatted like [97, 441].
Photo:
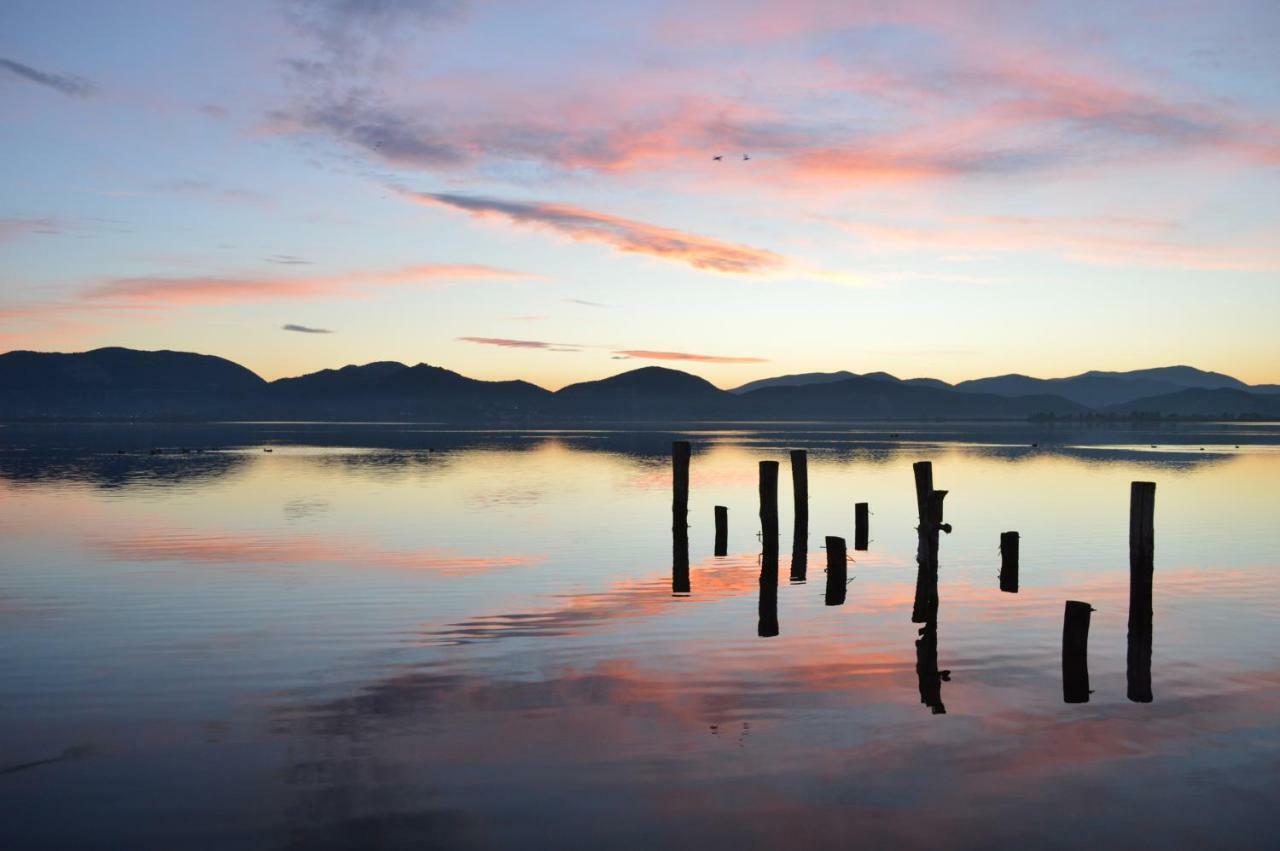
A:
[837, 571]
[800, 484]
[680, 452]
[800, 551]
[924, 486]
[1142, 505]
[769, 505]
[861, 525]
[1075, 652]
[722, 530]
[1009, 562]
[767, 625]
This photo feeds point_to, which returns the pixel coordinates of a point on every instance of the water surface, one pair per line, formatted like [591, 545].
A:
[396, 636]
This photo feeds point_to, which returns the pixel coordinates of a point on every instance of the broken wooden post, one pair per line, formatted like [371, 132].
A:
[800, 484]
[861, 523]
[924, 486]
[930, 679]
[1142, 505]
[722, 530]
[1009, 562]
[837, 571]
[1075, 652]
[769, 505]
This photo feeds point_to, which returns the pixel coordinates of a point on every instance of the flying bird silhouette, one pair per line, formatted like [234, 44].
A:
[745, 157]
[718, 157]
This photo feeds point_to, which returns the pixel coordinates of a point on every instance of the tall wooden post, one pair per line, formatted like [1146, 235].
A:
[1075, 652]
[769, 504]
[680, 452]
[1009, 562]
[837, 571]
[800, 551]
[924, 486]
[1142, 503]
[722, 531]
[861, 525]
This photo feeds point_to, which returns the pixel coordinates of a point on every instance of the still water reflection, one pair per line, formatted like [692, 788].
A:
[396, 637]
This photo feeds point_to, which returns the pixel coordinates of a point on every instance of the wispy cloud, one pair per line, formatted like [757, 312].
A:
[625, 235]
[305, 329]
[68, 84]
[616, 354]
[644, 354]
[287, 260]
[160, 291]
[13, 228]
[584, 302]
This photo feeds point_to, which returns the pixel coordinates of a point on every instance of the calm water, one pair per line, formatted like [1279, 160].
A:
[393, 637]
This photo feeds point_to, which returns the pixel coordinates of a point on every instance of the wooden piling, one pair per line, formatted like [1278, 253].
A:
[722, 531]
[680, 452]
[800, 483]
[769, 505]
[1142, 501]
[1009, 562]
[861, 525]
[1075, 652]
[924, 486]
[837, 571]
[800, 551]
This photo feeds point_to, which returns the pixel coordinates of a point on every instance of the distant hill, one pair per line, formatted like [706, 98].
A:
[1199, 402]
[124, 383]
[646, 393]
[876, 398]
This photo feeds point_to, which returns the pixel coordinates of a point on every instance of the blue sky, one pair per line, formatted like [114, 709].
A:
[528, 190]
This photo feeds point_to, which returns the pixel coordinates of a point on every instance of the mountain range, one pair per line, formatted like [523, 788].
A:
[126, 383]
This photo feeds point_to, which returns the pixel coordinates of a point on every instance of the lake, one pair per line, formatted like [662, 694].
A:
[397, 636]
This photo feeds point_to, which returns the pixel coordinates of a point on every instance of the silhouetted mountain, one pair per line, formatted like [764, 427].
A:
[872, 398]
[806, 378]
[390, 389]
[651, 392]
[1199, 402]
[1099, 389]
[122, 382]
[794, 380]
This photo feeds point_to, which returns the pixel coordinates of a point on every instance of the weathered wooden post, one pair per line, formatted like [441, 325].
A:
[861, 525]
[837, 571]
[1142, 505]
[924, 486]
[680, 452]
[1009, 562]
[769, 505]
[800, 484]
[722, 530]
[1075, 652]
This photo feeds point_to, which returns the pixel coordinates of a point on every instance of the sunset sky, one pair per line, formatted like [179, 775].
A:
[527, 189]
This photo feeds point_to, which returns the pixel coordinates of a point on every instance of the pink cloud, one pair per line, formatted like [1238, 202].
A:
[645, 354]
[625, 235]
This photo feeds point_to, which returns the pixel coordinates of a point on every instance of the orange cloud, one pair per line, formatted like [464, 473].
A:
[625, 235]
[160, 290]
[645, 354]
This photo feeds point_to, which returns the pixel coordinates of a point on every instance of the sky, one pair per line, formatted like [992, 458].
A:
[531, 190]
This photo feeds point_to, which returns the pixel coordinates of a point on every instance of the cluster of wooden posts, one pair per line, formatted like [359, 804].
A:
[929, 504]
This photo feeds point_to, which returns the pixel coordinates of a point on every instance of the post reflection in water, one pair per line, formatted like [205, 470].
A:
[800, 551]
[768, 621]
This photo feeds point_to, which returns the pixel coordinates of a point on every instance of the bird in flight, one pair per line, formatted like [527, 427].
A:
[718, 157]
[745, 157]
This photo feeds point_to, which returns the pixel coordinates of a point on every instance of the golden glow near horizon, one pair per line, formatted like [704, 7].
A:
[944, 192]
